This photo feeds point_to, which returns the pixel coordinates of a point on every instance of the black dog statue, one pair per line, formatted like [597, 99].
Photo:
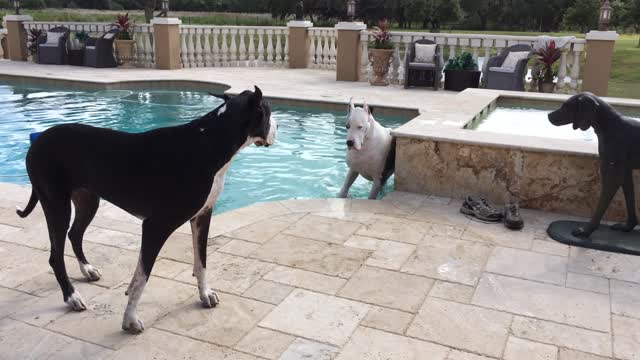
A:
[619, 149]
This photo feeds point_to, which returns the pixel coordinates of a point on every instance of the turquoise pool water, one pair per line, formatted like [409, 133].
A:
[532, 121]
[308, 160]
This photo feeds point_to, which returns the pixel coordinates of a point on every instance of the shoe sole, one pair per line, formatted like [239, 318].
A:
[470, 212]
[517, 225]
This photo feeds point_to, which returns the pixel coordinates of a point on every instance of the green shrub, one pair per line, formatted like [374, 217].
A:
[463, 61]
[116, 6]
[34, 4]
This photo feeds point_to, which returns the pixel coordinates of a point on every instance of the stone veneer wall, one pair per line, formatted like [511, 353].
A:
[548, 181]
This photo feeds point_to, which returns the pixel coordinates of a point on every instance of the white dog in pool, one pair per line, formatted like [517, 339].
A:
[371, 150]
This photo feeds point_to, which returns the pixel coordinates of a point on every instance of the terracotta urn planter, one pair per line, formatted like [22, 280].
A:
[380, 60]
[124, 49]
[546, 87]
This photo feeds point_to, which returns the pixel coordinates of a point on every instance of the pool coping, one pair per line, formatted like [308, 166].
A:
[455, 132]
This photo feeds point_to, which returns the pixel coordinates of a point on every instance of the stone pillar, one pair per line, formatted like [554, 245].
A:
[349, 52]
[166, 42]
[17, 37]
[299, 43]
[598, 64]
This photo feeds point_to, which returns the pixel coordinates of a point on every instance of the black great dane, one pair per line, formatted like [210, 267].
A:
[619, 149]
[165, 177]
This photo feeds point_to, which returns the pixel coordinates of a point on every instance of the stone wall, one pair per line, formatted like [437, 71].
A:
[550, 181]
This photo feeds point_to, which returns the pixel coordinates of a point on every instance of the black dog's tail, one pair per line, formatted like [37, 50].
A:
[33, 201]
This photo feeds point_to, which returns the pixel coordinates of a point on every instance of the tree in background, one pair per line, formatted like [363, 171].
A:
[442, 11]
[582, 15]
[149, 8]
[630, 15]
[481, 10]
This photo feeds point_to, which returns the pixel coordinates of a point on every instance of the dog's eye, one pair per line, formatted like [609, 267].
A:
[348, 126]
[360, 127]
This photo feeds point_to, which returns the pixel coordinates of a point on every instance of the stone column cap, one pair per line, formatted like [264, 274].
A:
[300, 24]
[165, 21]
[348, 25]
[18, 18]
[602, 35]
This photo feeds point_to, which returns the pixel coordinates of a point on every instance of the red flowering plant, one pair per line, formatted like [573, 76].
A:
[547, 56]
[125, 26]
[381, 36]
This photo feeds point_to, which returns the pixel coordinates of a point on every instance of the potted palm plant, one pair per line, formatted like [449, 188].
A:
[32, 48]
[124, 42]
[461, 72]
[380, 51]
[76, 52]
[546, 56]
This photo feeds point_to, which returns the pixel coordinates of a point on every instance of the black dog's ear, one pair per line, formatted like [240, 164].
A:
[223, 97]
[587, 112]
[257, 95]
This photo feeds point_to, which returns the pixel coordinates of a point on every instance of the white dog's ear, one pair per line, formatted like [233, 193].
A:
[351, 107]
[366, 107]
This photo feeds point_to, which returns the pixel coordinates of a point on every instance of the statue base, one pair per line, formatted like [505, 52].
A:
[604, 238]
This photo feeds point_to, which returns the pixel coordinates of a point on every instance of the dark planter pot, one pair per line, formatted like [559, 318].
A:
[76, 57]
[458, 80]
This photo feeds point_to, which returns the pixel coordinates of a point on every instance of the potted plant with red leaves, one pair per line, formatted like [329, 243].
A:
[380, 51]
[546, 56]
[124, 42]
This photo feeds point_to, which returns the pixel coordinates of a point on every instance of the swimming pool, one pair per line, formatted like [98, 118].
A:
[531, 120]
[307, 161]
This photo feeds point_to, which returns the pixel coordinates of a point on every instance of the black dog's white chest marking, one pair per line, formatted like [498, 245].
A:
[218, 182]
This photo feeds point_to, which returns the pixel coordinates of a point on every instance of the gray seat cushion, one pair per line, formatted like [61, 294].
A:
[421, 66]
[502, 70]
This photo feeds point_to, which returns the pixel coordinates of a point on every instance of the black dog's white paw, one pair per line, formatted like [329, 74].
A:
[76, 302]
[623, 227]
[90, 272]
[132, 325]
[209, 298]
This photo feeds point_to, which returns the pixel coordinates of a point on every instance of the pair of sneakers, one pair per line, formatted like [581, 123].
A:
[481, 209]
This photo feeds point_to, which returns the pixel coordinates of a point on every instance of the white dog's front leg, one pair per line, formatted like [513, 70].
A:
[351, 177]
[375, 189]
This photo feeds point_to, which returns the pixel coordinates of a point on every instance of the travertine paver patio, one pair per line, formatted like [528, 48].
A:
[405, 278]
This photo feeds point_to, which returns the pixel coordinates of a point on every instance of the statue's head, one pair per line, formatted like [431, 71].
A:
[580, 109]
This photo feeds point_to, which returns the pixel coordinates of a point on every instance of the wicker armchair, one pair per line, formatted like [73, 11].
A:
[422, 74]
[56, 52]
[99, 53]
[499, 78]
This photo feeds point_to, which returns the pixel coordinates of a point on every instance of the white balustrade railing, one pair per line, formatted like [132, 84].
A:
[323, 52]
[481, 46]
[234, 46]
[3, 34]
[143, 34]
[145, 52]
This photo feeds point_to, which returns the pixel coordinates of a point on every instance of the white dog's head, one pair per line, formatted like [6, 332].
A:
[359, 121]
